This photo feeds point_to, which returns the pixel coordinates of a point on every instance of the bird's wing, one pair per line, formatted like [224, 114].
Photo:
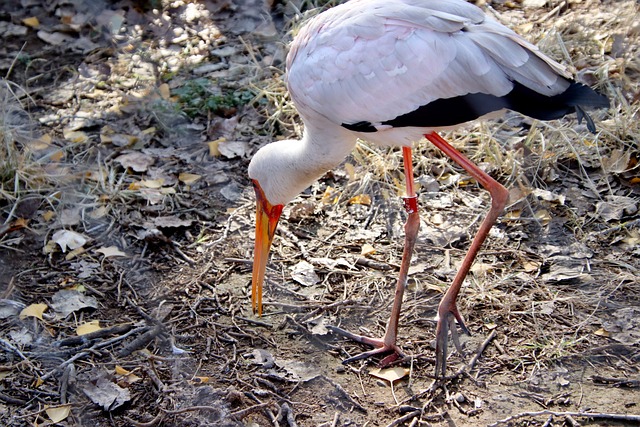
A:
[373, 60]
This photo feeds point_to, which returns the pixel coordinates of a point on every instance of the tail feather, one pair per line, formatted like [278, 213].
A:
[576, 98]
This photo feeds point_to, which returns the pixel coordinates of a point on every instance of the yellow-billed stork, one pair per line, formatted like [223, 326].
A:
[391, 72]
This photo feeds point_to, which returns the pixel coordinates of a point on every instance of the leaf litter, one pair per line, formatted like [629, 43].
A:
[110, 167]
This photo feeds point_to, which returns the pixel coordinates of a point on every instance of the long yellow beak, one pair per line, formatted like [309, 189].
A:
[267, 216]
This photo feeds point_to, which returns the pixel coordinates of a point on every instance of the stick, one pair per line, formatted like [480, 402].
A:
[598, 415]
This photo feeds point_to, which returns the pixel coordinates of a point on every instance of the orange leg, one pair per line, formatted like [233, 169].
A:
[447, 310]
[387, 344]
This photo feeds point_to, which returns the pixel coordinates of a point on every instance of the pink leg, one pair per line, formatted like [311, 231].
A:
[447, 310]
[388, 343]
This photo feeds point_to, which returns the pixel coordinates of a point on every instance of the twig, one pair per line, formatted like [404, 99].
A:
[481, 350]
[255, 322]
[598, 415]
[155, 421]
[365, 262]
[404, 418]
[86, 338]
[336, 415]
[344, 393]
[238, 415]
[89, 351]
[616, 382]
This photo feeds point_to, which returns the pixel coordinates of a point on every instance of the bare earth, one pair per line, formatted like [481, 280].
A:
[127, 127]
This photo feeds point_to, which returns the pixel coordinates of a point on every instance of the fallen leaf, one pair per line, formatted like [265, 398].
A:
[111, 251]
[172, 222]
[9, 308]
[128, 376]
[530, 266]
[32, 22]
[360, 199]
[367, 249]
[201, 380]
[136, 161]
[48, 215]
[543, 216]
[602, 333]
[107, 394]
[233, 149]
[330, 196]
[66, 301]
[214, 151]
[152, 183]
[56, 39]
[390, 374]
[304, 273]
[617, 161]
[33, 310]
[548, 196]
[351, 171]
[88, 327]
[68, 239]
[165, 91]
[76, 136]
[189, 178]
[58, 413]
[617, 207]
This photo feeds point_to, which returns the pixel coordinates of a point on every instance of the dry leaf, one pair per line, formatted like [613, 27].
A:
[152, 183]
[33, 310]
[165, 91]
[171, 222]
[56, 39]
[189, 178]
[136, 161]
[548, 196]
[543, 216]
[530, 266]
[602, 333]
[107, 394]
[75, 136]
[351, 171]
[214, 151]
[32, 22]
[58, 413]
[87, 328]
[48, 215]
[233, 149]
[128, 376]
[616, 162]
[360, 199]
[111, 251]
[67, 301]
[390, 374]
[68, 239]
[330, 196]
[304, 273]
[367, 249]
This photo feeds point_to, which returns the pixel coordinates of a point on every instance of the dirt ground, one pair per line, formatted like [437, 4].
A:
[125, 211]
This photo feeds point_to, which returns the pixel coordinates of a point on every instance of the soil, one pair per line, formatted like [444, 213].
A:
[131, 125]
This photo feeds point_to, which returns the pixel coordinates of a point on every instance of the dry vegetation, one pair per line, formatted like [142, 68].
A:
[124, 202]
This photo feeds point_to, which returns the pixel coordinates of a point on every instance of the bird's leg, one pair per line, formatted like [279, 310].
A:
[388, 343]
[447, 310]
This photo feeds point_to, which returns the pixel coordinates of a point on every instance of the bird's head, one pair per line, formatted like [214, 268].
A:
[280, 171]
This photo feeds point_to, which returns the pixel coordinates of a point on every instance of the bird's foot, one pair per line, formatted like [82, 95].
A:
[392, 351]
[447, 316]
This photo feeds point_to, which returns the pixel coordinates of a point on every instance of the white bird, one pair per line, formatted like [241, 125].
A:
[391, 72]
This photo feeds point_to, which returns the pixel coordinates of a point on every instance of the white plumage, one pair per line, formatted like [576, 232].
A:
[389, 72]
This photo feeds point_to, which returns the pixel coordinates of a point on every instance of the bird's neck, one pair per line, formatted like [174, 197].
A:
[324, 146]
[286, 168]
